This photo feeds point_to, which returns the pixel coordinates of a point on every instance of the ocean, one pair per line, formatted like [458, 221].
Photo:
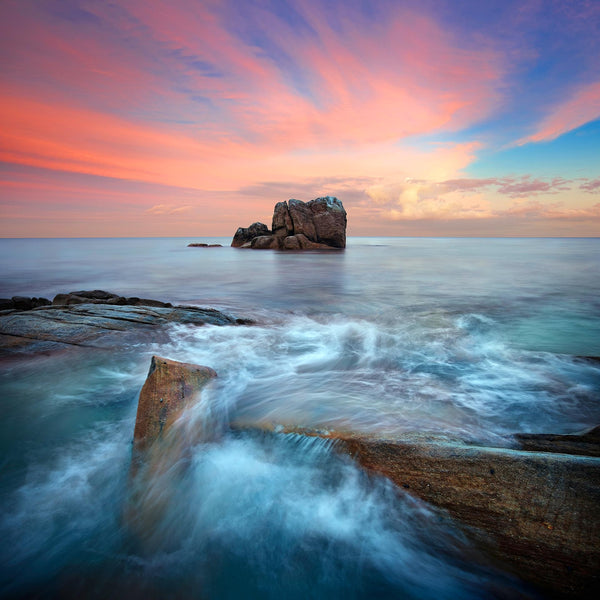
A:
[470, 338]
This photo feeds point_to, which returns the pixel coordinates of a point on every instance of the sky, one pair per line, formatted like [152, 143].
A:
[193, 117]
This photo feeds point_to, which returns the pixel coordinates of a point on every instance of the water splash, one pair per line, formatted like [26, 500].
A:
[434, 372]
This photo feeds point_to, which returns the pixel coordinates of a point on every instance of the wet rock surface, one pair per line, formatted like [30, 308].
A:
[316, 225]
[540, 510]
[585, 444]
[95, 319]
[22, 303]
[168, 389]
[534, 512]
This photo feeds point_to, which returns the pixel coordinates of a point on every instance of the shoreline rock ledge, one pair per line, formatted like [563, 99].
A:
[316, 225]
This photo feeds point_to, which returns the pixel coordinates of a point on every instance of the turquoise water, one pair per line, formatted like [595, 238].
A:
[477, 338]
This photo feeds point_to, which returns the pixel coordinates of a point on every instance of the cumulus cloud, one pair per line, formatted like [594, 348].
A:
[471, 199]
[415, 200]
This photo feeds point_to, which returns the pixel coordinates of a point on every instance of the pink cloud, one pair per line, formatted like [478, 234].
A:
[540, 210]
[525, 186]
[581, 108]
[591, 186]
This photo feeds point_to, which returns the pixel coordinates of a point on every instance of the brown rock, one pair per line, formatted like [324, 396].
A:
[329, 218]
[541, 510]
[7, 304]
[291, 243]
[22, 303]
[316, 225]
[245, 235]
[586, 444]
[169, 388]
[537, 513]
[282, 221]
[86, 297]
[302, 219]
[160, 443]
[265, 242]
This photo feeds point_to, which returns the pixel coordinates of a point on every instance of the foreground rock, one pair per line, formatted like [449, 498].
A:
[585, 444]
[169, 388]
[95, 319]
[535, 512]
[316, 225]
[102, 297]
[161, 440]
[541, 510]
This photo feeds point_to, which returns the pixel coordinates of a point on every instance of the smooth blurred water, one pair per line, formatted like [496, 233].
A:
[475, 338]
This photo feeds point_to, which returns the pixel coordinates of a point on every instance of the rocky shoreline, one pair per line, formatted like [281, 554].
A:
[91, 319]
[532, 507]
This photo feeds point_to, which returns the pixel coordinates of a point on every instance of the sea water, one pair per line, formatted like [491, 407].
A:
[469, 338]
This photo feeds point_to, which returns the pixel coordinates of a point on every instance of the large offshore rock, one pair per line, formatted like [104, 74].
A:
[316, 225]
[168, 389]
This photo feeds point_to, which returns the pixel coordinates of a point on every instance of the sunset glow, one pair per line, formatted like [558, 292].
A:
[156, 118]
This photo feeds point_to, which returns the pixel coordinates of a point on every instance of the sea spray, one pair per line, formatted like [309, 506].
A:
[434, 373]
[266, 515]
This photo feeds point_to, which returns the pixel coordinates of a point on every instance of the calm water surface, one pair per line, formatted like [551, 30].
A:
[475, 338]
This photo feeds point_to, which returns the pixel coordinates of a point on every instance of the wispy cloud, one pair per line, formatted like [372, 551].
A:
[168, 209]
[582, 107]
[220, 107]
[592, 186]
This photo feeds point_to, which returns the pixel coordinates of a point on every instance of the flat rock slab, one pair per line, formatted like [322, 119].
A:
[56, 327]
[542, 510]
[537, 513]
[585, 444]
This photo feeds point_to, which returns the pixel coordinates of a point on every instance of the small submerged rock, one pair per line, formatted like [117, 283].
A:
[203, 245]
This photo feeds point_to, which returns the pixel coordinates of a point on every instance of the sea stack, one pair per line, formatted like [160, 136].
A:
[316, 225]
